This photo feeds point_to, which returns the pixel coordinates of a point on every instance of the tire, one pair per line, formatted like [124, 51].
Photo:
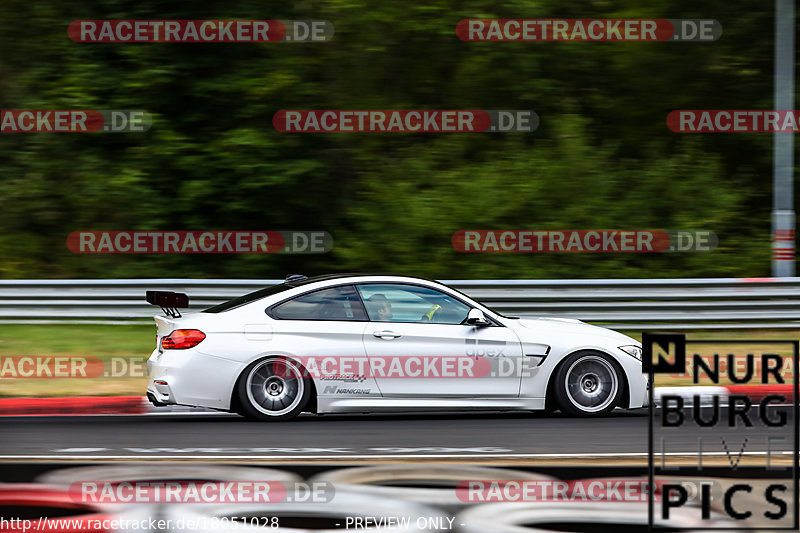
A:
[274, 388]
[588, 384]
[550, 406]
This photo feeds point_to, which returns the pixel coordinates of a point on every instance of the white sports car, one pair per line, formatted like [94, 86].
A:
[364, 343]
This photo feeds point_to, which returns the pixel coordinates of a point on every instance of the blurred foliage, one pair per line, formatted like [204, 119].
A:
[602, 157]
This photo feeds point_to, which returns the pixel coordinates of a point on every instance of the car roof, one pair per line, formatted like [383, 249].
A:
[328, 277]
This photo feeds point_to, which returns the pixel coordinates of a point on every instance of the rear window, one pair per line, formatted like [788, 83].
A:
[247, 298]
[335, 303]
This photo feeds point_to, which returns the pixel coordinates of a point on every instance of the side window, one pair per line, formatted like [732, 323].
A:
[410, 303]
[337, 303]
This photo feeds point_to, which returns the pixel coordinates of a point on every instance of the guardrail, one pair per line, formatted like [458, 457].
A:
[627, 303]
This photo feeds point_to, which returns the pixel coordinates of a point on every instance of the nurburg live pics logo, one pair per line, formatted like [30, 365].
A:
[759, 493]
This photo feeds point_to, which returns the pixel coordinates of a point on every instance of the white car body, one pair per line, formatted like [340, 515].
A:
[207, 375]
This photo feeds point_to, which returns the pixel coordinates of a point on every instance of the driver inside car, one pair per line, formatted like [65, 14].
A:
[379, 307]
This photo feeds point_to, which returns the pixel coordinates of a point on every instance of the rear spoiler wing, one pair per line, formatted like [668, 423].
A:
[169, 302]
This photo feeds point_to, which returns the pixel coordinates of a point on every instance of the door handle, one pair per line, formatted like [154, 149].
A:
[385, 334]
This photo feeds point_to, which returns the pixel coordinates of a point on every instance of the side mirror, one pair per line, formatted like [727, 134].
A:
[477, 318]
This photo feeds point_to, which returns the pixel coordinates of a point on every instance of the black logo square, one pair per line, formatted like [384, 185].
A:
[669, 350]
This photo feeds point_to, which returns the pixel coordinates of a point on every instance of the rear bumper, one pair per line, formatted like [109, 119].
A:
[152, 398]
[189, 377]
[160, 398]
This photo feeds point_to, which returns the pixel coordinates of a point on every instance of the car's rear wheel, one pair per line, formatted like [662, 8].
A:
[273, 389]
[588, 384]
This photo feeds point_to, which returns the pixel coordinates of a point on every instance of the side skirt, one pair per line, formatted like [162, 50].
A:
[333, 404]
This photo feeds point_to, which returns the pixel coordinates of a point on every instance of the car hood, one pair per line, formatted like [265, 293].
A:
[545, 327]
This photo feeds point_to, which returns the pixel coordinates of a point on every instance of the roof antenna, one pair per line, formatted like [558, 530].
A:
[295, 277]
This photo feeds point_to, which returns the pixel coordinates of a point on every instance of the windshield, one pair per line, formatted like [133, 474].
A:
[470, 298]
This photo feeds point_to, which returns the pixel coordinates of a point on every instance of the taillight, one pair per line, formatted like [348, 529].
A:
[181, 339]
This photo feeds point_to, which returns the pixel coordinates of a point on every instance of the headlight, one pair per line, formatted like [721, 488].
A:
[635, 351]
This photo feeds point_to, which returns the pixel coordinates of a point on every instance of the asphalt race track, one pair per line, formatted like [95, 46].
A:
[347, 436]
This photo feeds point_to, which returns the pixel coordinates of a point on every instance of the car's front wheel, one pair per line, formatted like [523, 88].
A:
[273, 389]
[588, 384]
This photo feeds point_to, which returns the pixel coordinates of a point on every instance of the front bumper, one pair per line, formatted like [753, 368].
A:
[649, 391]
